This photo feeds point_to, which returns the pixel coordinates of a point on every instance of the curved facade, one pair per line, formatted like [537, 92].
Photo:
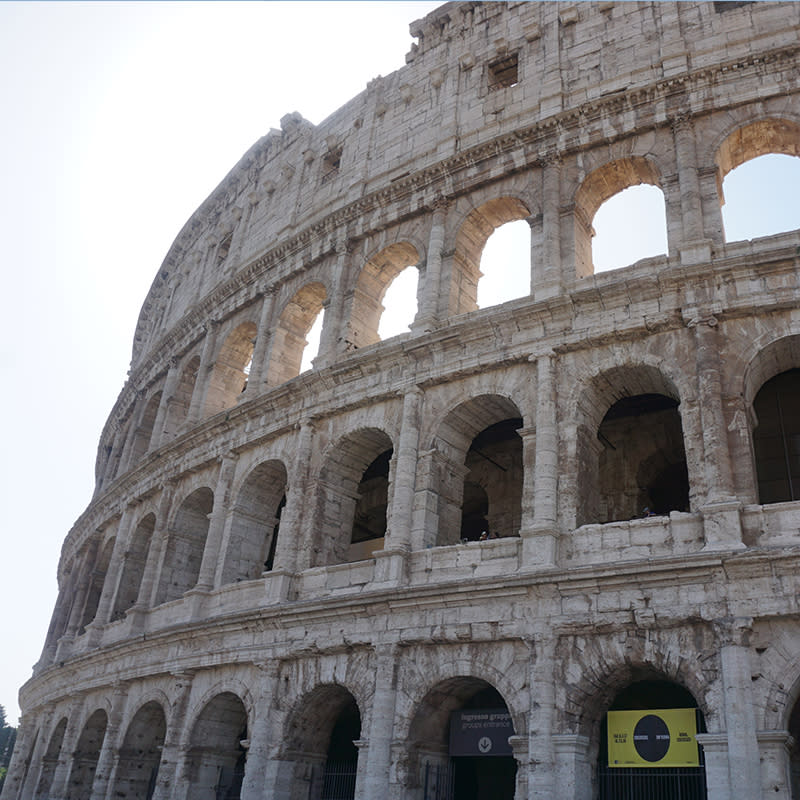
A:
[282, 588]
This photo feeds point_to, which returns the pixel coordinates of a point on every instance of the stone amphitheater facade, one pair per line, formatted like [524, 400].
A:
[281, 573]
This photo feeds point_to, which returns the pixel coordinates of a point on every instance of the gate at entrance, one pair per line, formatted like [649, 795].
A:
[647, 745]
[480, 763]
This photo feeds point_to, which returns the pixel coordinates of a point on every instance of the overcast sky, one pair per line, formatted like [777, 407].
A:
[118, 120]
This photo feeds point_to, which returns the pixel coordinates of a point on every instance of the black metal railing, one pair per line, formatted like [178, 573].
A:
[337, 781]
[680, 783]
[439, 782]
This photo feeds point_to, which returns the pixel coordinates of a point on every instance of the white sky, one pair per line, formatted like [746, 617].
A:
[118, 120]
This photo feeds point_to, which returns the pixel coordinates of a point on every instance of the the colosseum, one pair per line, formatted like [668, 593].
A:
[546, 549]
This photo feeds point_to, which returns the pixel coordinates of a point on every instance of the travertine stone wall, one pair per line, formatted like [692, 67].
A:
[218, 626]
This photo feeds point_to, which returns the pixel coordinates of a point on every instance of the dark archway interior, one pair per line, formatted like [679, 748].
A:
[369, 521]
[477, 778]
[642, 465]
[776, 440]
[492, 496]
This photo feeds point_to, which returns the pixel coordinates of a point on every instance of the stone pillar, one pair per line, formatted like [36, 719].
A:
[430, 301]
[79, 601]
[286, 553]
[159, 436]
[539, 541]
[109, 591]
[548, 276]
[258, 367]
[333, 324]
[721, 509]
[362, 746]
[197, 403]
[171, 751]
[15, 779]
[715, 752]
[102, 786]
[520, 750]
[152, 567]
[541, 779]
[126, 459]
[58, 786]
[58, 626]
[381, 723]
[254, 786]
[693, 247]
[744, 760]
[216, 526]
[776, 748]
[34, 772]
[573, 777]
[397, 542]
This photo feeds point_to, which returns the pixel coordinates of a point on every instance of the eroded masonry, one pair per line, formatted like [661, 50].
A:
[457, 562]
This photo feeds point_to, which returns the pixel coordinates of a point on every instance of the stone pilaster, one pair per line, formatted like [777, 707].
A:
[176, 725]
[253, 786]
[542, 768]
[429, 308]
[378, 754]
[59, 784]
[216, 524]
[332, 335]
[160, 432]
[258, 366]
[744, 760]
[547, 269]
[776, 748]
[286, 553]
[573, 777]
[102, 785]
[721, 509]
[197, 404]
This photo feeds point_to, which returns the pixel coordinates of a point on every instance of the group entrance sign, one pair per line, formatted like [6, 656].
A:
[481, 732]
[653, 738]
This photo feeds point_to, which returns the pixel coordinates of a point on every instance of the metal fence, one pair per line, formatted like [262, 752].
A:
[337, 781]
[685, 783]
[439, 782]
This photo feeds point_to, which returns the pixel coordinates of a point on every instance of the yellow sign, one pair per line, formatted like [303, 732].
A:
[653, 738]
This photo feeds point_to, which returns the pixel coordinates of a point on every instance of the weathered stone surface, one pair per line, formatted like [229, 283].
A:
[275, 564]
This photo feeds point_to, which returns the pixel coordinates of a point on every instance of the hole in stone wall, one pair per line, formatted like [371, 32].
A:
[504, 72]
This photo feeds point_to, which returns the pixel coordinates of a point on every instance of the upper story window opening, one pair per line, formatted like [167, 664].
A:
[504, 72]
[331, 162]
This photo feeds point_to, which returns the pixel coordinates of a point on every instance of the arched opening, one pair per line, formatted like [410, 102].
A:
[181, 400]
[320, 754]
[385, 296]
[217, 754]
[142, 440]
[255, 522]
[629, 226]
[776, 438]
[96, 582]
[480, 489]
[631, 457]
[229, 376]
[287, 356]
[642, 465]
[399, 304]
[140, 754]
[601, 185]
[50, 761]
[505, 264]
[133, 567]
[185, 545]
[758, 168]
[313, 341]
[648, 747]
[353, 495]
[508, 272]
[86, 755]
[369, 518]
[458, 743]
